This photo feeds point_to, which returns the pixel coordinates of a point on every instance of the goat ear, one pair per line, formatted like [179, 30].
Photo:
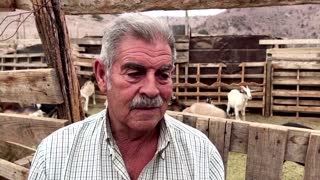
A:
[100, 73]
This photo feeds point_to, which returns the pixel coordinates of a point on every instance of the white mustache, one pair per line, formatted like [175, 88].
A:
[143, 101]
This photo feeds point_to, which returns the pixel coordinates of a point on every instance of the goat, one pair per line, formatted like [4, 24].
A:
[221, 106]
[206, 110]
[17, 108]
[87, 90]
[175, 105]
[238, 100]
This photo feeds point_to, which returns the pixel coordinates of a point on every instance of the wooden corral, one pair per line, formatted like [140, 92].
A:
[198, 81]
[20, 134]
[266, 146]
[293, 85]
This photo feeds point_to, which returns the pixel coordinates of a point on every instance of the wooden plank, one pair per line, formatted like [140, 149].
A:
[211, 93]
[27, 130]
[217, 65]
[294, 74]
[85, 64]
[12, 151]
[86, 41]
[30, 86]
[182, 46]
[25, 161]
[288, 41]
[310, 109]
[52, 28]
[297, 144]
[22, 55]
[266, 150]
[294, 102]
[202, 124]
[294, 57]
[301, 81]
[291, 93]
[225, 76]
[87, 56]
[294, 50]
[85, 73]
[252, 64]
[295, 66]
[10, 170]
[190, 120]
[239, 137]
[216, 133]
[26, 65]
[312, 164]
[76, 7]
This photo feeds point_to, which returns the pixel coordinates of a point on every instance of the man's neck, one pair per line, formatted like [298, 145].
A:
[138, 152]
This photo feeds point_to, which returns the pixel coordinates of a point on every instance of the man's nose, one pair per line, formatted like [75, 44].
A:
[149, 86]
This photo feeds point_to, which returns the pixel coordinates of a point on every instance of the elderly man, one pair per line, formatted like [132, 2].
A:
[133, 138]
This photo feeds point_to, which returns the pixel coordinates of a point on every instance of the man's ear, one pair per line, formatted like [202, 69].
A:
[100, 74]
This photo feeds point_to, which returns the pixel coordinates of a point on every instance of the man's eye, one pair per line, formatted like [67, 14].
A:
[164, 76]
[135, 74]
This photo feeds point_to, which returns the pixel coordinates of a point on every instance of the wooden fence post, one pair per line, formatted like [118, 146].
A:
[51, 25]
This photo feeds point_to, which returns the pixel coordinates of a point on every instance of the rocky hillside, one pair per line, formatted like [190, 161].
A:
[286, 21]
[301, 21]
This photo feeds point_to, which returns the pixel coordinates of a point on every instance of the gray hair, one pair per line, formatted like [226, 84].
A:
[136, 25]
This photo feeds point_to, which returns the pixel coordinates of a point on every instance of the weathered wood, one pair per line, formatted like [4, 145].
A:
[7, 5]
[288, 41]
[30, 86]
[239, 137]
[312, 165]
[226, 55]
[294, 56]
[225, 76]
[289, 81]
[297, 142]
[11, 151]
[24, 65]
[295, 66]
[25, 161]
[27, 130]
[216, 133]
[310, 109]
[202, 124]
[292, 93]
[12, 171]
[22, 55]
[266, 150]
[220, 135]
[115, 7]
[294, 74]
[294, 102]
[249, 42]
[189, 119]
[53, 32]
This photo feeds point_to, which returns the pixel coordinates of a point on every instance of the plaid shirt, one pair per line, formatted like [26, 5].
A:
[86, 150]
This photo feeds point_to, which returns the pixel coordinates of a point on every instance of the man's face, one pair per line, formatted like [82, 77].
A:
[140, 69]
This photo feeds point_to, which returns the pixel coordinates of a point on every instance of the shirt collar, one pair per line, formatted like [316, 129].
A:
[163, 141]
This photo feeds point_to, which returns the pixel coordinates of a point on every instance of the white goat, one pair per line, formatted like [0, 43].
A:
[206, 110]
[87, 90]
[238, 100]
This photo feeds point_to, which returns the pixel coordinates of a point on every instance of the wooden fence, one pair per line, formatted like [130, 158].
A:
[266, 146]
[20, 134]
[293, 86]
[196, 82]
